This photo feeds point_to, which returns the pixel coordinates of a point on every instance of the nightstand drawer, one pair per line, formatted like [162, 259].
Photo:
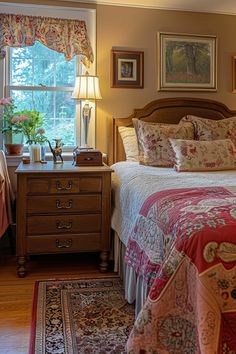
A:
[64, 185]
[63, 243]
[64, 204]
[43, 225]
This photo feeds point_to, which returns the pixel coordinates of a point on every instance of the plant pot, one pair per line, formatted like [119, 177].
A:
[14, 149]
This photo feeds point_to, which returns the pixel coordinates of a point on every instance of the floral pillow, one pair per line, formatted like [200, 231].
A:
[208, 129]
[193, 155]
[130, 144]
[153, 141]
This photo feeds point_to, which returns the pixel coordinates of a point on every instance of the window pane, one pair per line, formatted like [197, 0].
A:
[65, 72]
[58, 109]
[40, 66]
[21, 72]
[63, 129]
[44, 73]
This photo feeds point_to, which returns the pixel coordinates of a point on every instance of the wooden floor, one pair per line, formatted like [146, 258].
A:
[16, 294]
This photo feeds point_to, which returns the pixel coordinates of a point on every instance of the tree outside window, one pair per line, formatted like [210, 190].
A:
[41, 79]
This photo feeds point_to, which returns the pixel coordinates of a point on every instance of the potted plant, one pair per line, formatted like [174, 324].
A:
[25, 122]
[8, 127]
[30, 122]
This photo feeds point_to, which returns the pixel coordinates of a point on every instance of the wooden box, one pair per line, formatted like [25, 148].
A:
[87, 157]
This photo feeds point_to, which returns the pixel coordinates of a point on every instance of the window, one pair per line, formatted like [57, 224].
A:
[41, 79]
[48, 90]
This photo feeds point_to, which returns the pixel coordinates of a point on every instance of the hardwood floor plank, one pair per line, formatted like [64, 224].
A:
[16, 294]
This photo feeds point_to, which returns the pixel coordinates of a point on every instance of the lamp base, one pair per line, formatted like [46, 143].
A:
[86, 120]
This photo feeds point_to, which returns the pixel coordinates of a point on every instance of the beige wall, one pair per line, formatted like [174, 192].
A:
[136, 29]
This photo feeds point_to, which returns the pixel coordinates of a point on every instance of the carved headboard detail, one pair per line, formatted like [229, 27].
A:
[167, 110]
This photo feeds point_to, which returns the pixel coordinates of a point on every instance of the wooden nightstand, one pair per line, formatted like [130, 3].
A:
[62, 209]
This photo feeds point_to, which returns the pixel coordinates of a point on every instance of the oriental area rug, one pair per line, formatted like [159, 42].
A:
[80, 316]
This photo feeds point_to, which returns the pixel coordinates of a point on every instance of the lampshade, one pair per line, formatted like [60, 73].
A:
[87, 88]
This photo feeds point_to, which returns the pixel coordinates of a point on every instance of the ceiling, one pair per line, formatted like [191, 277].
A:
[213, 6]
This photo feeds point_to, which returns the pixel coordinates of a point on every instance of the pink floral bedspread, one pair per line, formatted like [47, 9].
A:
[189, 257]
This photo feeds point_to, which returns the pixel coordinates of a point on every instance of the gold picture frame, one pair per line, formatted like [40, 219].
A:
[187, 62]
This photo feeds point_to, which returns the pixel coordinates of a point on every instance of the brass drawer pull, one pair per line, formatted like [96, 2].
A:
[59, 187]
[65, 205]
[63, 243]
[63, 225]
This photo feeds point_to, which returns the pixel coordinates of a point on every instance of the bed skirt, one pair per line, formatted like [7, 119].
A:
[134, 285]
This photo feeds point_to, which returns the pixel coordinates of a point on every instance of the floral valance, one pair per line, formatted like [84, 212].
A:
[64, 36]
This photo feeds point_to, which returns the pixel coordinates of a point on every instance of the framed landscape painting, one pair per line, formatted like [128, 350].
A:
[127, 69]
[187, 62]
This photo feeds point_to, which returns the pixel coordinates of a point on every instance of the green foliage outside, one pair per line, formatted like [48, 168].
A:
[44, 68]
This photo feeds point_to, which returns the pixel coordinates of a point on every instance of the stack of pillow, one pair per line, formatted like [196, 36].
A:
[195, 144]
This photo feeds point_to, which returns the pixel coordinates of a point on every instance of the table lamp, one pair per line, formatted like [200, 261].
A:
[86, 88]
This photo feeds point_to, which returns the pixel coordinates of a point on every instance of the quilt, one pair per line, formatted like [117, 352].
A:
[191, 269]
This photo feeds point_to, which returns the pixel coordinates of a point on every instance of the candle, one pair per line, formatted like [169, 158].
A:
[35, 153]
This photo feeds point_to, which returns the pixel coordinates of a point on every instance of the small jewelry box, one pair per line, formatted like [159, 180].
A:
[87, 157]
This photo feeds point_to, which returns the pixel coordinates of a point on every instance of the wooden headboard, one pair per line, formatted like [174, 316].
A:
[167, 110]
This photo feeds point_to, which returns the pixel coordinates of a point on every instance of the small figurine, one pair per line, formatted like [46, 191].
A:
[57, 150]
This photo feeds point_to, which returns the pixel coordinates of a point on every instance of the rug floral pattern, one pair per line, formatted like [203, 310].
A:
[81, 316]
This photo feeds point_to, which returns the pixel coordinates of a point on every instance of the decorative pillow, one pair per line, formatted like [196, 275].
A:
[193, 155]
[153, 144]
[208, 129]
[129, 140]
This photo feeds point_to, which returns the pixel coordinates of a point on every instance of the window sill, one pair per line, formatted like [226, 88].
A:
[15, 160]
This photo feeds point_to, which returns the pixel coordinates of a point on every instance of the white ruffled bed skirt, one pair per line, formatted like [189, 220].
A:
[134, 285]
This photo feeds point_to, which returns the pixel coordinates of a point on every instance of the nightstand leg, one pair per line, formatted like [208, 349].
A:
[104, 261]
[21, 271]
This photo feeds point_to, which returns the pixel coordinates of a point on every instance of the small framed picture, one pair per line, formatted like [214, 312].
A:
[127, 69]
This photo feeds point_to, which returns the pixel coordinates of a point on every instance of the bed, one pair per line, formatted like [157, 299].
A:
[152, 267]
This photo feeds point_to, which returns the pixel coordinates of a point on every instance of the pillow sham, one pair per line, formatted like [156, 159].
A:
[153, 144]
[194, 155]
[130, 144]
[208, 129]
